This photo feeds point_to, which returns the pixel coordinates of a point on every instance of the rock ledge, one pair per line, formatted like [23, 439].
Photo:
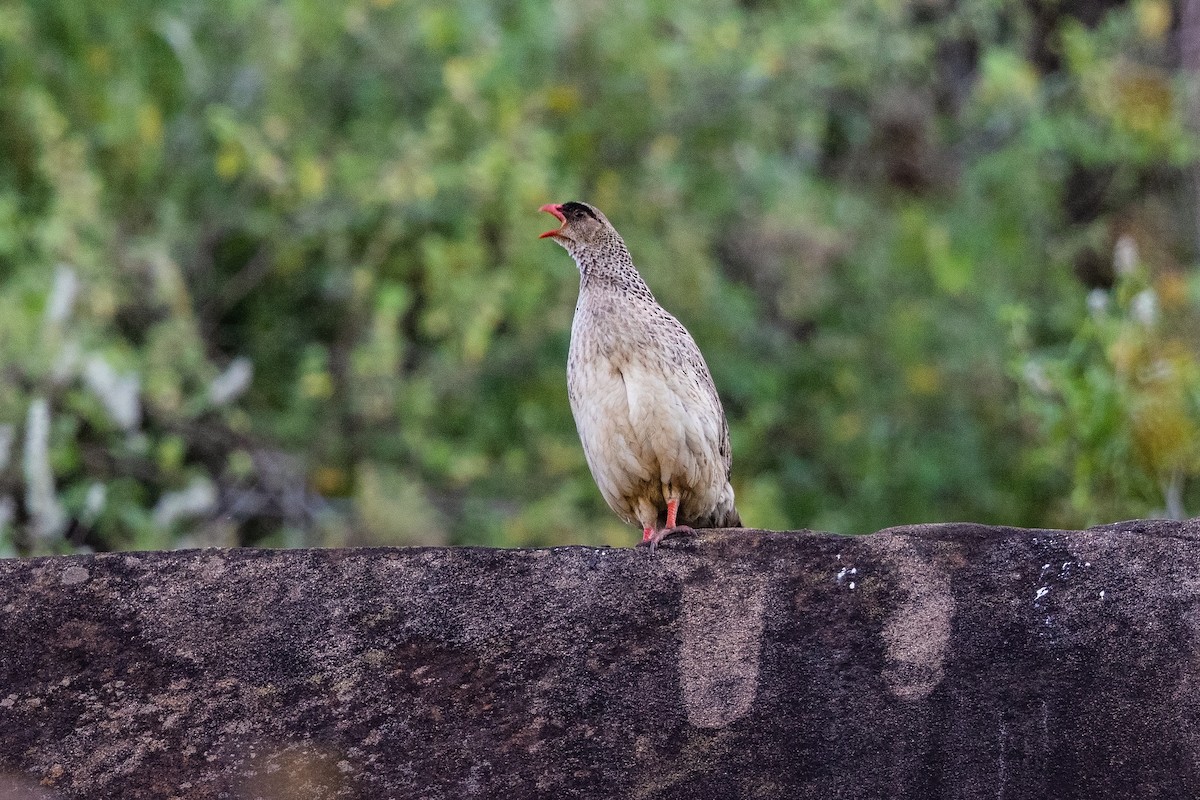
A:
[935, 661]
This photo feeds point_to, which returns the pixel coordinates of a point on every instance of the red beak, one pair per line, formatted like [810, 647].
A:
[556, 210]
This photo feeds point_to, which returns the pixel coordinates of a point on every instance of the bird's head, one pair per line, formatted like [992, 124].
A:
[583, 227]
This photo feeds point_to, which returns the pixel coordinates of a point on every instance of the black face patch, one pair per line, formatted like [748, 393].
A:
[573, 210]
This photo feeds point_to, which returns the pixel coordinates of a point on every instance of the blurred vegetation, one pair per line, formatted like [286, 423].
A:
[270, 271]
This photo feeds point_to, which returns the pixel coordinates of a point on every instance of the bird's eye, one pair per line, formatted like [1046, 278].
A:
[576, 211]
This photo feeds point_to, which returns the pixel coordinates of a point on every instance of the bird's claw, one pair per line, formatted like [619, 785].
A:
[658, 536]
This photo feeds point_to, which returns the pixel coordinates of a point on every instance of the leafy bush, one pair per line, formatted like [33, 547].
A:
[878, 220]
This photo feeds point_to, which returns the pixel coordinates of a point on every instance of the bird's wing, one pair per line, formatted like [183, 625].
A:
[686, 355]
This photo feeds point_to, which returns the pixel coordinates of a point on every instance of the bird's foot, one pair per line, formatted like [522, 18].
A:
[657, 536]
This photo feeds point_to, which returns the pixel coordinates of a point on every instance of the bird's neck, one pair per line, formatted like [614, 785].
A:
[610, 269]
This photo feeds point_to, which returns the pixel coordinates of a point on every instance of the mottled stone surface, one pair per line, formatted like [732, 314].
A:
[940, 661]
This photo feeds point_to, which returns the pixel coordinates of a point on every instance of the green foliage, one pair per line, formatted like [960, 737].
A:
[1120, 402]
[865, 212]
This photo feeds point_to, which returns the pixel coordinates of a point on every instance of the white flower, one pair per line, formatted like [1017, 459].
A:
[8, 434]
[47, 518]
[117, 393]
[230, 384]
[1125, 255]
[93, 503]
[1097, 302]
[197, 500]
[62, 295]
[1035, 376]
[1144, 308]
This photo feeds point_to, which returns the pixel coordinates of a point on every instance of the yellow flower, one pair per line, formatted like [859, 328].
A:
[230, 161]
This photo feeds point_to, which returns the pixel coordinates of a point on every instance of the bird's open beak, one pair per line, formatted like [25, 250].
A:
[556, 210]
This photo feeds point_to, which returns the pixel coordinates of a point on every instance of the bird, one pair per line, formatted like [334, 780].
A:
[653, 430]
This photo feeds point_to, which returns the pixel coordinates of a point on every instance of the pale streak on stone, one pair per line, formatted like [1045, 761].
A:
[74, 575]
[721, 627]
[918, 631]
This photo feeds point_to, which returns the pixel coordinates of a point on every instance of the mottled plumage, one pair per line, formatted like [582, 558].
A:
[648, 415]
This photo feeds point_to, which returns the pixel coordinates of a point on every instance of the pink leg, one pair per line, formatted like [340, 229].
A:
[647, 532]
[671, 529]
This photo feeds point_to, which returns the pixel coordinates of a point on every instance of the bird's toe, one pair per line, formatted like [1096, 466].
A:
[665, 533]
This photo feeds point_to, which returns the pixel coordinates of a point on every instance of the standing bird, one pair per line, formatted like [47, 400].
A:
[653, 430]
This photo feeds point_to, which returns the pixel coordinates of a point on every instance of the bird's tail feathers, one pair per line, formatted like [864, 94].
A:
[732, 519]
[723, 516]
